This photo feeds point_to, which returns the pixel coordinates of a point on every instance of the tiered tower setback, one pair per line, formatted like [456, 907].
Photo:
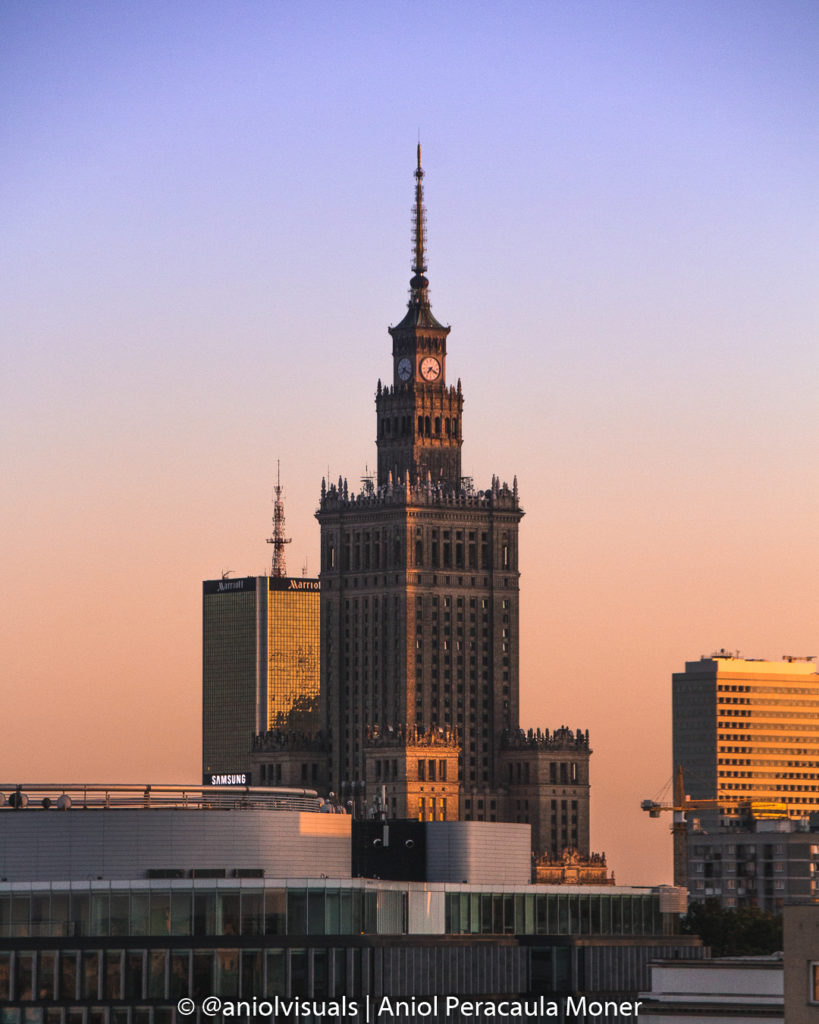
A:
[420, 617]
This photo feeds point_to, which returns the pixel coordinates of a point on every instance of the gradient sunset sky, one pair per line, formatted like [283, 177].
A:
[206, 231]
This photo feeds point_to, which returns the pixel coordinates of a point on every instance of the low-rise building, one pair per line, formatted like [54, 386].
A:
[761, 866]
[118, 902]
[725, 990]
[801, 939]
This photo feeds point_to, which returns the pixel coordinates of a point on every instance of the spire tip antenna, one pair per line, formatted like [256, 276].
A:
[419, 224]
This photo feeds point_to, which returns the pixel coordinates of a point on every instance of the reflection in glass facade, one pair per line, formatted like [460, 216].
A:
[125, 953]
[298, 908]
[293, 655]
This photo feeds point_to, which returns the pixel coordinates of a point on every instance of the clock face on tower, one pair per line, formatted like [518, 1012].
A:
[430, 368]
[404, 368]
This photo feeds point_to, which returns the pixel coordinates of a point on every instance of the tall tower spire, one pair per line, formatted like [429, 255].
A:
[419, 265]
[419, 417]
[419, 282]
[278, 540]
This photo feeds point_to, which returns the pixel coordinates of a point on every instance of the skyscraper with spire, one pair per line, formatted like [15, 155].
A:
[260, 661]
[420, 617]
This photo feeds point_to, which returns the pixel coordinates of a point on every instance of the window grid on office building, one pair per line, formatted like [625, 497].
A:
[292, 657]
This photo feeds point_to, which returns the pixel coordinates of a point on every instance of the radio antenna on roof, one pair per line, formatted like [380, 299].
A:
[278, 540]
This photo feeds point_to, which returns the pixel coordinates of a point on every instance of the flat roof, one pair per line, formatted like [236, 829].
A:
[726, 665]
[130, 796]
[312, 882]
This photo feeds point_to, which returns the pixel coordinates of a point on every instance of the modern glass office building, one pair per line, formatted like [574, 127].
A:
[260, 665]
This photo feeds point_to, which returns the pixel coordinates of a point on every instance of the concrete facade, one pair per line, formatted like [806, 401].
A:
[763, 866]
[801, 927]
[737, 990]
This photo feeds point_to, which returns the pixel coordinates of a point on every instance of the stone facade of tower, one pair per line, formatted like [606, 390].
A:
[420, 614]
[419, 622]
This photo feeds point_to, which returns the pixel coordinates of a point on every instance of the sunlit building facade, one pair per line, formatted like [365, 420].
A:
[746, 733]
[293, 669]
[260, 665]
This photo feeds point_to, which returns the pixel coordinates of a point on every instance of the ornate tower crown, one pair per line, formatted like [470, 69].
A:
[419, 417]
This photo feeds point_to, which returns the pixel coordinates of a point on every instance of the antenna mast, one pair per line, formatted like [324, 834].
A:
[419, 222]
[278, 540]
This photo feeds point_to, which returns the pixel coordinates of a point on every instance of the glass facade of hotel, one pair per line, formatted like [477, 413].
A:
[293, 667]
[260, 665]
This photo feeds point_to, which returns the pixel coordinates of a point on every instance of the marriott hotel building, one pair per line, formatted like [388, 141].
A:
[260, 665]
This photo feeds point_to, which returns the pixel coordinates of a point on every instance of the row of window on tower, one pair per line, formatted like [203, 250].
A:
[386, 770]
[563, 773]
[459, 549]
[428, 426]
[433, 548]
[563, 828]
[271, 774]
[432, 769]
[432, 808]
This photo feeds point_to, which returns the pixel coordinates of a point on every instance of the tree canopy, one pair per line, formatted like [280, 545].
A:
[745, 931]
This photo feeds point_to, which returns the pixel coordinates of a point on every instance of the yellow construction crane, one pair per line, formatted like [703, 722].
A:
[683, 804]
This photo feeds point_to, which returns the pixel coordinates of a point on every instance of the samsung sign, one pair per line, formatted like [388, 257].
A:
[236, 779]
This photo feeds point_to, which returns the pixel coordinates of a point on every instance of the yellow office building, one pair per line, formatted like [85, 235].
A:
[746, 732]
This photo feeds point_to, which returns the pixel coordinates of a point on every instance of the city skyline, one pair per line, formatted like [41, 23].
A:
[208, 233]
